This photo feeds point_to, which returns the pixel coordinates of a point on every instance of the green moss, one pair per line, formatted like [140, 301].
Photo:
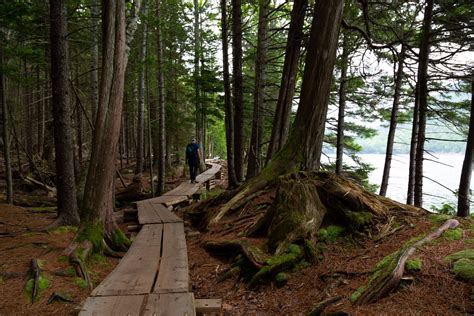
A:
[311, 253]
[413, 264]
[70, 271]
[464, 269]
[358, 219]
[2, 280]
[469, 241]
[80, 282]
[463, 254]
[453, 234]
[330, 233]
[98, 259]
[93, 233]
[43, 284]
[62, 230]
[355, 296]
[63, 258]
[119, 239]
[439, 218]
[281, 278]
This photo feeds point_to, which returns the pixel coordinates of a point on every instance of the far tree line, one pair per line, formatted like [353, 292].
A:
[254, 82]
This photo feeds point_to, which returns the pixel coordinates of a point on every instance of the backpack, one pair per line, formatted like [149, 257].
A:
[191, 153]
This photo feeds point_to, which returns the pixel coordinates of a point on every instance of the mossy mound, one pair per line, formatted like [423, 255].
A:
[464, 269]
[453, 234]
[330, 233]
[439, 218]
[413, 265]
[43, 284]
[463, 254]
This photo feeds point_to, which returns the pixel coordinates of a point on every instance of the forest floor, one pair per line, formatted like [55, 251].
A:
[344, 266]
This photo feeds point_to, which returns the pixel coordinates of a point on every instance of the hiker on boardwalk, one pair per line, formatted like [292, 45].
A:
[192, 159]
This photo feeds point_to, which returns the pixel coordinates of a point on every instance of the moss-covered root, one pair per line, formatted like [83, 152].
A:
[389, 271]
[36, 282]
[238, 246]
[318, 310]
[278, 263]
[463, 264]
[117, 241]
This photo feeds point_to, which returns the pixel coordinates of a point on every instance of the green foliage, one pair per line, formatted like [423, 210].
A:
[445, 209]
[355, 296]
[413, 264]
[453, 234]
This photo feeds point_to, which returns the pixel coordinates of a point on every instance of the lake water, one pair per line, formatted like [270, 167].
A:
[442, 168]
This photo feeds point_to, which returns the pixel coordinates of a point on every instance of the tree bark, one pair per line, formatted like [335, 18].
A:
[342, 105]
[141, 96]
[255, 156]
[98, 193]
[464, 194]
[393, 123]
[238, 89]
[199, 106]
[422, 97]
[229, 111]
[161, 105]
[63, 132]
[5, 133]
[281, 121]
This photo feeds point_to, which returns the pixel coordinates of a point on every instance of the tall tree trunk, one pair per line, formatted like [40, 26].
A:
[464, 194]
[141, 95]
[281, 121]
[255, 156]
[393, 122]
[342, 105]
[238, 89]
[422, 81]
[5, 133]
[39, 114]
[413, 146]
[161, 104]
[98, 193]
[197, 78]
[94, 58]
[229, 111]
[63, 132]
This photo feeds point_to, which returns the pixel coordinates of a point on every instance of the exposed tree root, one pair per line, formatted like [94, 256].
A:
[319, 309]
[35, 273]
[78, 253]
[252, 253]
[57, 297]
[388, 277]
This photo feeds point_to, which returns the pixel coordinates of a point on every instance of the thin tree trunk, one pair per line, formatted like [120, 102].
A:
[229, 111]
[342, 105]
[238, 89]
[413, 146]
[423, 101]
[197, 77]
[393, 123]
[5, 133]
[255, 156]
[94, 58]
[63, 141]
[464, 194]
[161, 104]
[41, 117]
[141, 96]
[281, 121]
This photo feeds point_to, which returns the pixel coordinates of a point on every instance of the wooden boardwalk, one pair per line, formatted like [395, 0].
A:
[153, 276]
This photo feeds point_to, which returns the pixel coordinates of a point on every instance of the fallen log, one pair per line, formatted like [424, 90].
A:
[388, 277]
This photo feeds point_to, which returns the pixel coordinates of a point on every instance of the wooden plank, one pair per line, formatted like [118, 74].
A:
[147, 214]
[112, 305]
[170, 304]
[174, 274]
[136, 272]
[165, 215]
[208, 306]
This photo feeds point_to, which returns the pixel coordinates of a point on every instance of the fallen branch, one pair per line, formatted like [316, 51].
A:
[387, 280]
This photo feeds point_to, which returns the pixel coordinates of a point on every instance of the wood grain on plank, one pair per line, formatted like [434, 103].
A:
[136, 272]
[167, 304]
[147, 214]
[112, 305]
[165, 215]
[173, 276]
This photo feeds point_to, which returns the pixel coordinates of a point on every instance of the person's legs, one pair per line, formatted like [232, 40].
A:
[193, 172]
